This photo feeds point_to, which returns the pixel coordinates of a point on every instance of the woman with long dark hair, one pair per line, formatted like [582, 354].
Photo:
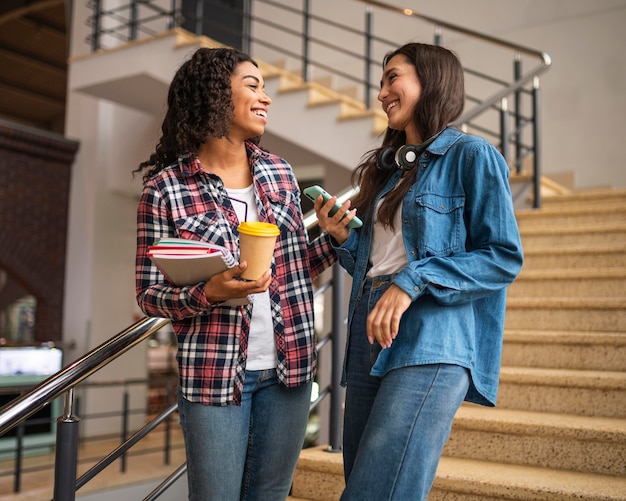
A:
[430, 268]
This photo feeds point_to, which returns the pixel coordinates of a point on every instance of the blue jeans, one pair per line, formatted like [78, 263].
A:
[246, 452]
[395, 426]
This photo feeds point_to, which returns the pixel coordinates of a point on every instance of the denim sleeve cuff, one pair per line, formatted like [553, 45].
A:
[414, 288]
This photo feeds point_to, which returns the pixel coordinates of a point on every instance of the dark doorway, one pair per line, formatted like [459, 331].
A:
[221, 20]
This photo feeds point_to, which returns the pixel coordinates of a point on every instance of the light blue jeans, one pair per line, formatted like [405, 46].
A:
[246, 452]
[395, 426]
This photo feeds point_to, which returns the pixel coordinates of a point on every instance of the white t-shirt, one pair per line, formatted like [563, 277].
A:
[261, 346]
[388, 254]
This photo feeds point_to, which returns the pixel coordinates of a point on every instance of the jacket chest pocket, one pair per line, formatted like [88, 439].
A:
[440, 227]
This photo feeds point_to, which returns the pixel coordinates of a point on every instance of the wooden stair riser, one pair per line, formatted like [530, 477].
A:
[539, 448]
[573, 286]
[601, 198]
[560, 352]
[572, 399]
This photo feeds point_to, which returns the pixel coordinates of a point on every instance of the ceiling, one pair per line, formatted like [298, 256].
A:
[33, 58]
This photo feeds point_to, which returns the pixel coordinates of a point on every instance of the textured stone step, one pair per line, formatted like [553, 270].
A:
[559, 313]
[559, 217]
[589, 198]
[565, 349]
[319, 475]
[581, 236]
[595, 256]
[471, 480]
[320, 478]
[559, 441]
[577, 282]
[582, 393]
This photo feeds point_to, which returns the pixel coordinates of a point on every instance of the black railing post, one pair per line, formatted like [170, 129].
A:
[19, 454]
[247, 24]
[336, 391]
[517, 74]
[132, 24]
[125, 414]
[305, 40]
[95, 28]
[504, 129]
[199, 17]
[368, 57]
[66, 452]
[537, 142]
[437, 37]
[173, 22]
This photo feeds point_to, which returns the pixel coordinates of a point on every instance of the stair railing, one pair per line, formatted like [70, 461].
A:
[115, 22]
[64, 382]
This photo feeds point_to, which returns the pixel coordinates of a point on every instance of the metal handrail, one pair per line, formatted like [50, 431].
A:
[26, 405]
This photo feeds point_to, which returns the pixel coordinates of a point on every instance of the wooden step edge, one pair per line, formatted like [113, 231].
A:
[523, 422]
[525, 483]
[567, 378]
[565, 337]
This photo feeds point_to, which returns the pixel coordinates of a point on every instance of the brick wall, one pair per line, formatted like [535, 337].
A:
[35, 170]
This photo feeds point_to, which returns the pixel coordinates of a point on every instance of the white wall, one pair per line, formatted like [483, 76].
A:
[583, 93]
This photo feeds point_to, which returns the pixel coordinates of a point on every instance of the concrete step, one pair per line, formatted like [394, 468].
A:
[576, 392]
[594, 256]
[564, 349]
[471, 480]
[560, 441]
[319, 477]
[588, 198]
[559, 217]
[605, 314]
[579, 282]
[581, 236]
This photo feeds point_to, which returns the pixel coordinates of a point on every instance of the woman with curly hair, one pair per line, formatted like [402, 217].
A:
[245, 372]
[430, 267]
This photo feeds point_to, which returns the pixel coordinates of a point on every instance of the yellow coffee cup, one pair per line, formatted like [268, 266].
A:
[256, 246]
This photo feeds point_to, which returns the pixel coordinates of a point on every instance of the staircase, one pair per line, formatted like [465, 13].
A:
[559, 430]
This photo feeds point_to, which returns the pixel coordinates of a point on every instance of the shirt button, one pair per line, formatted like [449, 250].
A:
[417, 289]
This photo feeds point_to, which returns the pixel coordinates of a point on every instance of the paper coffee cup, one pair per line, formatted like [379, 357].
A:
[256, 247]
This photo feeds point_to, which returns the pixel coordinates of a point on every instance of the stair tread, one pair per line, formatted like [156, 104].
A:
[565, 337]
[550, 302]
[476, 476]
[586, 249]
[497, 420]
[617, 272]
[608, 380]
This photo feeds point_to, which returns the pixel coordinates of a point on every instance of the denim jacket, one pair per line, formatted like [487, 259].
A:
[463, 249]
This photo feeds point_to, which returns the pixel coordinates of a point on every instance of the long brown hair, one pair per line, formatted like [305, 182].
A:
[441, 102]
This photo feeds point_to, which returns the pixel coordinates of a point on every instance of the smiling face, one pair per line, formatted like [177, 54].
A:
[400, 90]
[250, 102]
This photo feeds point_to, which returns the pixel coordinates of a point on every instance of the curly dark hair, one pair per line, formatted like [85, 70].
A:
[199, 106]
[441, 102]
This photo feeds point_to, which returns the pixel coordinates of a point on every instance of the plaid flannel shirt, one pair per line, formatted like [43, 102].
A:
[185, 201]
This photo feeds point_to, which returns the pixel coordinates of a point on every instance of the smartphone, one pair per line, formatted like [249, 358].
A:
[312, 192]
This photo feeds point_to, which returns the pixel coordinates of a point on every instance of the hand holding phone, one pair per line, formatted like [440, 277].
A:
[312, 192]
